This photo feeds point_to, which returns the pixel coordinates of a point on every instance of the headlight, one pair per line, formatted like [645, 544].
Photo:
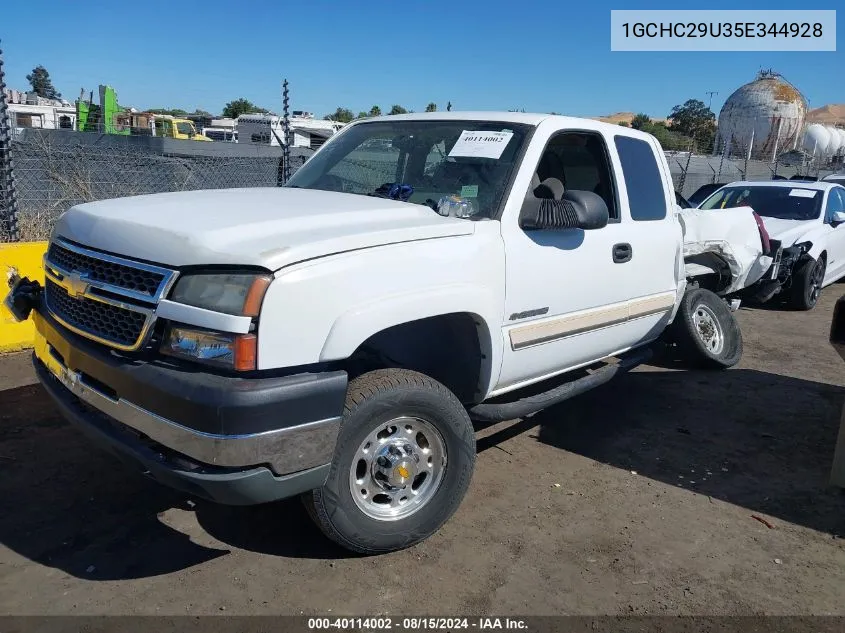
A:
[235, 293]
[232, 351]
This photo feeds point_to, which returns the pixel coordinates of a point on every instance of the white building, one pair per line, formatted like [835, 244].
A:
[267, 129]
[28, 110]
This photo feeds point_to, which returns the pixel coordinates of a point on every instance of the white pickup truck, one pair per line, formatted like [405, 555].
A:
[335, 338]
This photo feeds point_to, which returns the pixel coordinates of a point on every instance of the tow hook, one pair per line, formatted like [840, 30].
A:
[734, 304]
[23, 296]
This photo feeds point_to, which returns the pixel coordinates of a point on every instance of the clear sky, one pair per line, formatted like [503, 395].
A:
[551, 55]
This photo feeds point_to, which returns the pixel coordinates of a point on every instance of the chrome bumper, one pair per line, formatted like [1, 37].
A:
[286, 450]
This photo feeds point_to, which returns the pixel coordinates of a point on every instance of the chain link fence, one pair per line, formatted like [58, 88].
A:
[54, 170]
[45, 172]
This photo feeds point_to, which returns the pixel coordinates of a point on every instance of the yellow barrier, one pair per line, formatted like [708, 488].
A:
[26, 259]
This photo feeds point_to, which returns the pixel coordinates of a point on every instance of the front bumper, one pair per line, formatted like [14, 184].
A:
[229, 439]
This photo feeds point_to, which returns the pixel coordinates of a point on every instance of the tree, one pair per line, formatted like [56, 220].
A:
[640, 121]
[695, 120]
[431, 107]
[201, 112]
[375, 111]
[362, 115]
[168, 111]
[235, 108]
[41, 83]
[341, 115]
[397, 109]
[623, 124]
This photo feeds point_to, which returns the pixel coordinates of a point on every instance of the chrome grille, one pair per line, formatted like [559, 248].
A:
[103, 297]
[113, 324]
[145, 281]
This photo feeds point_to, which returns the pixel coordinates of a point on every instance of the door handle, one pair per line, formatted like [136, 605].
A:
[622, 253]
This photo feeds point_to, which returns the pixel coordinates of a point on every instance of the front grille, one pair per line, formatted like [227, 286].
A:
[145, 282]
[100, 320]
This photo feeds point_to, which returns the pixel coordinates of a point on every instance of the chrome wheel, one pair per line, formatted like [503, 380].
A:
[708, 329]
[397, 468]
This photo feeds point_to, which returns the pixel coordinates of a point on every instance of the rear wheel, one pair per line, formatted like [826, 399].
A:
[807, 282]
[402, 465]
[706, 331]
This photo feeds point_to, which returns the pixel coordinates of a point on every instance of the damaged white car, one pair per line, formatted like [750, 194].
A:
[801, 232]
[725, 253]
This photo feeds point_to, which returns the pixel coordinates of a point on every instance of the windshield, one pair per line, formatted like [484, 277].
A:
[785, 203]
[420, 161]
[185, 128]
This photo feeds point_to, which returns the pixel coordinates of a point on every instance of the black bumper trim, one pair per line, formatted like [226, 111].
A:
[197, 399]
[225, 486]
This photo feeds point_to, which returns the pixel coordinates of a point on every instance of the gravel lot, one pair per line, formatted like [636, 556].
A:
[659, 475]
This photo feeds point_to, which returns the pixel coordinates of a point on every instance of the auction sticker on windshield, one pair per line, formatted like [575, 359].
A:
[802, 193]
[480, 144]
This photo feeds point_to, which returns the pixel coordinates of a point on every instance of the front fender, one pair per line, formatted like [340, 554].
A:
[356, 325]
[322, 310]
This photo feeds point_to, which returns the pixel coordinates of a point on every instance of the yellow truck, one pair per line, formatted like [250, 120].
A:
[172, 127]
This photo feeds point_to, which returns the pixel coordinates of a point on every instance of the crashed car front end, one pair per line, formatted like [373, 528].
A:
[778, 278]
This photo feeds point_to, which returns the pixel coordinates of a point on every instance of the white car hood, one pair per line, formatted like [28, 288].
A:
[788, 232]
[268, 227]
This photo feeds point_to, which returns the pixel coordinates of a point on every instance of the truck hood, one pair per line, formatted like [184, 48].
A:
[788, 232]
[268, 227]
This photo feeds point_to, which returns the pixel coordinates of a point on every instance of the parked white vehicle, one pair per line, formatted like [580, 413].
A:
[804, 221]
[334, 338]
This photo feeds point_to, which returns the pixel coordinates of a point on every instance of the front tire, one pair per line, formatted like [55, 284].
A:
[807, 283]
[402, 465]
[706, 331]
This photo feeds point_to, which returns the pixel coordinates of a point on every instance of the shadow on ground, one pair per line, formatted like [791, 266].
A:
[766, 440]
[66, 504]
[757, 440]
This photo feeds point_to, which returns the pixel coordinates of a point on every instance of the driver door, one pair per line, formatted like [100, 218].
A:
[576, 296]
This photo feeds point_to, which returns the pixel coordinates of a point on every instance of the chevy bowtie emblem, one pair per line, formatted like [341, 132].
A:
[76, 284]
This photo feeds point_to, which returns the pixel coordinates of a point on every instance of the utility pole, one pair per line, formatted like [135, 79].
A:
[710, 103]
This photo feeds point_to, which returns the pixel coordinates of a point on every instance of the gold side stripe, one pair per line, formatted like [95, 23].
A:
[581, 322]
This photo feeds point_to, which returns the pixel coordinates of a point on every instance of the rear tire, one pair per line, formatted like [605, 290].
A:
[706, 332]
[402, 465]
[807, 282]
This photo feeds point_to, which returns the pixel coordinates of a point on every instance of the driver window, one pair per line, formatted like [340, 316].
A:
[576, 161]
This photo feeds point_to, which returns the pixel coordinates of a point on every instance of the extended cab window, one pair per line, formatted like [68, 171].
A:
[646, 196]
[576, 161]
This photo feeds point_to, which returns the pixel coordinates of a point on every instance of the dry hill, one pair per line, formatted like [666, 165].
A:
[830, 114]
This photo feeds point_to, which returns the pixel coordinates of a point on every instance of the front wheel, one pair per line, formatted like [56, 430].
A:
[402, 465]
[807, 283]
[706, 331]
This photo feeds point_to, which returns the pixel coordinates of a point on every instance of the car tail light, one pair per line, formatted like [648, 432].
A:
[764, 234]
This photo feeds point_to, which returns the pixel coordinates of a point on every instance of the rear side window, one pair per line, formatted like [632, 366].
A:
[642, 179]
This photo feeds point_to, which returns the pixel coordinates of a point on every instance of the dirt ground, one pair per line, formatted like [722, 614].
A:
[660, 473]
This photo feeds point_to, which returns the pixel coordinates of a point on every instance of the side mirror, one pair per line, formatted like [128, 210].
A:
[838, 218]
[575, 210]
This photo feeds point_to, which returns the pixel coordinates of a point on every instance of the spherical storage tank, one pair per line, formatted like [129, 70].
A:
[816, 139]
[765, 116]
